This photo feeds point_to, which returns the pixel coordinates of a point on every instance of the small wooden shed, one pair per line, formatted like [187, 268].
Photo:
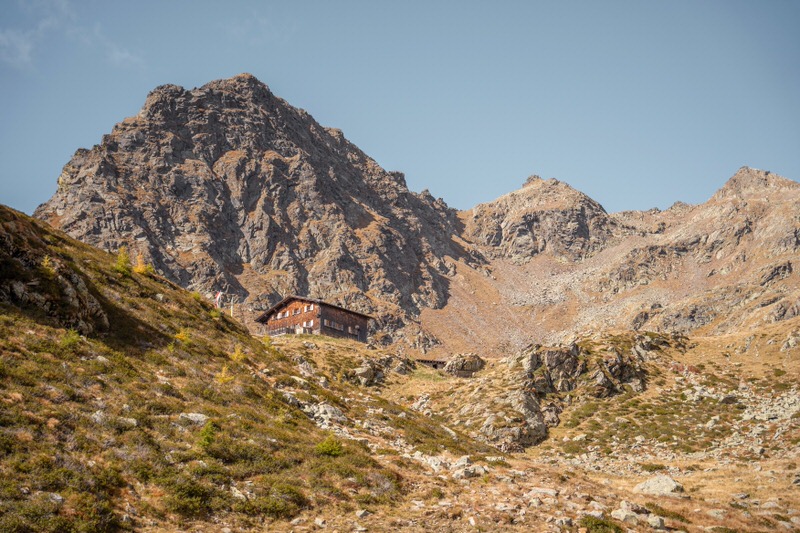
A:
[296, 314]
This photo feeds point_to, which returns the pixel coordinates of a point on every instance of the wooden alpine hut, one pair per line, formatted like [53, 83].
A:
[296, 314]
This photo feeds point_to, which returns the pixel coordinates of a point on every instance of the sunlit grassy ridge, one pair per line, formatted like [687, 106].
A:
[171, 413]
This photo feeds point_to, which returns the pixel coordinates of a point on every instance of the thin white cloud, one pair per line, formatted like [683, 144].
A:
[18, 46]
[258, 29]
[122, 57]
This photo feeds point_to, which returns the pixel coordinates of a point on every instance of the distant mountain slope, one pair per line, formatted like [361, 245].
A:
[227, 187]
[729, 264]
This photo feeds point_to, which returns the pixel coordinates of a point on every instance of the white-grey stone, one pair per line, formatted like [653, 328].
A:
[541, 491]
[236, 493]
[463, 461]
[632, 507]
[625, 516]
[325, 414]
[127, 422]
[195, 418]
[660, 485]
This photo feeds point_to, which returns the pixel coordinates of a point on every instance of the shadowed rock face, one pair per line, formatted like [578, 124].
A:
[32, 280]
[227, 187]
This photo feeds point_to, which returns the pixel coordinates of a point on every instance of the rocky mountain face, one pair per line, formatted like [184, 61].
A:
[227, 187]
[560, 266]
[545, 216]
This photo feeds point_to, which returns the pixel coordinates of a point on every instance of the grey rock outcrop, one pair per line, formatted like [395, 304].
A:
[661, 485]
[48, 284]
[372, 372]
[464, 365]
[545, 216]
[325, 415]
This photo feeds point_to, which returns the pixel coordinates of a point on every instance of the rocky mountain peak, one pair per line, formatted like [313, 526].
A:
[228, 187]
[542, 216]
[533, 179]
[752, 182]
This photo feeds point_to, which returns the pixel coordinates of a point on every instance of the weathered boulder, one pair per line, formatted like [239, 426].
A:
[194, 418]
[464, 365]
[625, 516]
[365, 374]
[525, 429]
[324, 414]
[371, 372]
[660, 485]
[551, 369]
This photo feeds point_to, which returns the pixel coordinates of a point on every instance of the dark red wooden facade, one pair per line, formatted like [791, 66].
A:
[296, 314]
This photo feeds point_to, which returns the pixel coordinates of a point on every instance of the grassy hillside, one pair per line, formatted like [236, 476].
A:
[164, 411]
[127, 403]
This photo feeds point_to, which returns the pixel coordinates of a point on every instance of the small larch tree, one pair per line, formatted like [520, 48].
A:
[123, 265]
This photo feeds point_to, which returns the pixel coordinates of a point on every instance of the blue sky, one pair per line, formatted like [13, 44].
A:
[637, 103]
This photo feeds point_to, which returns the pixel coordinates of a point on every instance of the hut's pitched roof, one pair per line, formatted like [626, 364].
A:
[263, 317]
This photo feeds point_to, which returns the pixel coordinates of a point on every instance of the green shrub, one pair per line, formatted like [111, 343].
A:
[7, 444]
[232, 451]
[283, 501]
[331, 446]
[599, 525]
[188, 497]
[207, 434]
[93, 514]
[70, 339]
[289, 493]
[652, 467]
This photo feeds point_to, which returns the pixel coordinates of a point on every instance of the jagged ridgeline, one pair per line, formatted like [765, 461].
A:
[227, 187]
